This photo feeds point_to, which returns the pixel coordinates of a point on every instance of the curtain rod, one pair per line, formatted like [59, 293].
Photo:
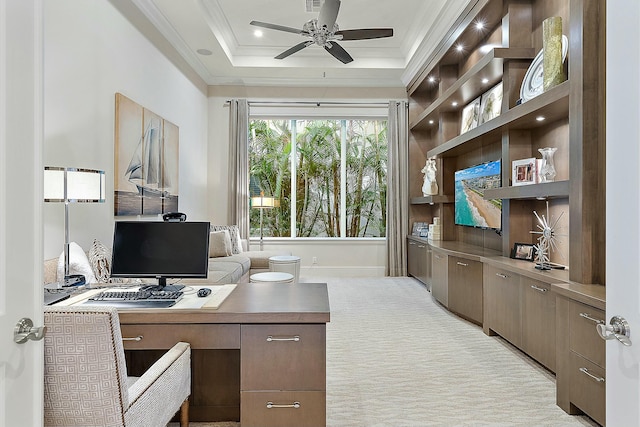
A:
[315, 103]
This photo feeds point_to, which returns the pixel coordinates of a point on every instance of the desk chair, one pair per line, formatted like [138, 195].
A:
[85, 376]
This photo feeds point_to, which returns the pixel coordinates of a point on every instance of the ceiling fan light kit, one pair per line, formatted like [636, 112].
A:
[324, 32]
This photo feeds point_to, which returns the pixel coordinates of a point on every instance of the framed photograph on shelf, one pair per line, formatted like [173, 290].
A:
[525, 251]
[418, 227]
[491, 104]
[523, 172]
[470, 116]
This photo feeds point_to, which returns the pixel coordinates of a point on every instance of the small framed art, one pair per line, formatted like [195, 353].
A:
[491, 104]
[523, 172]
[470, 116]
[525, 251]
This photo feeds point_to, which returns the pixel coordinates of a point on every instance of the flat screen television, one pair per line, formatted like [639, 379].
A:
[471, 209]
[160, 250]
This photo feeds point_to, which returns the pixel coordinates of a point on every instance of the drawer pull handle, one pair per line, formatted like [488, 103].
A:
[586, 372]
[295, 338]
[594, 320]
[294, 405]
[504, 276]
[462, 264]
[421, 246]
[411, 243]
[138, 338]
[538, 288]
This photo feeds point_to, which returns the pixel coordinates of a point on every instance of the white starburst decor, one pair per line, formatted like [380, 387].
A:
[547, 240]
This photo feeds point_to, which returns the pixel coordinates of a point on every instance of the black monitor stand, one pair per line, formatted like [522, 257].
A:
[162, 286]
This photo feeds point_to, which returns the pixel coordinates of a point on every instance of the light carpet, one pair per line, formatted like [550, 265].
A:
[397, 358]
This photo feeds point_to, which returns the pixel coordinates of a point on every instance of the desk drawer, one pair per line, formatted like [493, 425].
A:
[583, 336]
[283, 357]
[587, 387]
[283, 409]
[165, 336]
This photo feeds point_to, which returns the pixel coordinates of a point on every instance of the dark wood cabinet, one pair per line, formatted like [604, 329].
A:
[502, 304]
[418, 264]
[539, 321]
[439, 279]
[465, 288]
[580, 374]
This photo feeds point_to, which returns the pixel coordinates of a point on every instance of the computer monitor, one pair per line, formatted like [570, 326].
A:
[160, 250]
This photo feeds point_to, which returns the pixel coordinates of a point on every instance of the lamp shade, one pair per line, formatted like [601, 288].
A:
[264, 202]
[73, 185]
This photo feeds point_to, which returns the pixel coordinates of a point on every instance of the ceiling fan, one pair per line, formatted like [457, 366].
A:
[324, 32]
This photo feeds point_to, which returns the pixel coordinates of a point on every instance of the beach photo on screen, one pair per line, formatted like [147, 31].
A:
[471, 209]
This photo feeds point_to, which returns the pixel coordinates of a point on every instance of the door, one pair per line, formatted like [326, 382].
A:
[21, 254]
[623, 211]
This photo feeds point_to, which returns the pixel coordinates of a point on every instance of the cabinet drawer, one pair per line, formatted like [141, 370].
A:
[465, 288]
[587, 387]
[583, 337]
[539, 322]
[283, 357]
[165, 336]
[502, 304]
[282, 408]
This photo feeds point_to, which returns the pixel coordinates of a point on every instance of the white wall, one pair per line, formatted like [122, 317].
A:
[91, 52]
[343, 257]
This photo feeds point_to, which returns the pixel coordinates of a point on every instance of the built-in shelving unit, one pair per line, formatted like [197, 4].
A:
[567, 116]
[471, 271]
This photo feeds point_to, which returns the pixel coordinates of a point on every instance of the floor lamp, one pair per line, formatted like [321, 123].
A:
[72, 185]
[262, 202]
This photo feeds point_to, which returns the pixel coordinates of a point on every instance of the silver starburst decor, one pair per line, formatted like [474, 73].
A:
[547, 240]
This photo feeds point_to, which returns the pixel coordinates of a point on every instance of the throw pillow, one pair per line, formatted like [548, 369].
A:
[234, 233]
[78, 264]
[100, 260]
[220, 244]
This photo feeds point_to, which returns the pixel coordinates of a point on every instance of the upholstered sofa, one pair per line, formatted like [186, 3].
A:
[229, 260]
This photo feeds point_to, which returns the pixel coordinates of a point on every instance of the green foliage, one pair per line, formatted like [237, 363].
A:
[318, 162]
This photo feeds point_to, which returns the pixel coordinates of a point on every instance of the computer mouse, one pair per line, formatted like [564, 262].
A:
[203, 292]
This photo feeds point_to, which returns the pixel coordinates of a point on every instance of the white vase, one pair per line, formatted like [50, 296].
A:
[547, 171]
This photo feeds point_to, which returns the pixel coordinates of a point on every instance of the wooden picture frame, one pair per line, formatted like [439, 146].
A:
[524, 251]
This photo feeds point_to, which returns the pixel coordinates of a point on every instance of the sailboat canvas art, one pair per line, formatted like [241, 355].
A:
[146, 161]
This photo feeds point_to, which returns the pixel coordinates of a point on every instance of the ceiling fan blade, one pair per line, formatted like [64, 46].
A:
[328, 14]
[337, 51]
[365, 33]
[277, 27]
[294, 49]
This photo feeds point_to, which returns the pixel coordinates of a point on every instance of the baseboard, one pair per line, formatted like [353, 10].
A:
[352, 271]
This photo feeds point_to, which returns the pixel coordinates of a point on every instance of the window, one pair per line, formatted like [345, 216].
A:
[329, 177]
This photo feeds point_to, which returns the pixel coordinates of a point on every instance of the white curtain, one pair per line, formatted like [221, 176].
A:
[397, 189]
[239, 165]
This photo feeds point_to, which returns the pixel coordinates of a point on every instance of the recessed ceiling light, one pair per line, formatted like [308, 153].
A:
[257, 33]
[432, 79]
[205, 52]
[459, 48]
[540, 118]
[479, 25]
[454, 103]
[485, 81]
[430, 122]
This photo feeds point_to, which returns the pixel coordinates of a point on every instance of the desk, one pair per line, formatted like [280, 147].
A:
[265, 344]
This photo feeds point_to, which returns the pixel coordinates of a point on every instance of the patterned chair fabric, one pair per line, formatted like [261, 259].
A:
[85, 375]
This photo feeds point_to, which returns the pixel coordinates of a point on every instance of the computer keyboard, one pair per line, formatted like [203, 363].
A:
[136, 299]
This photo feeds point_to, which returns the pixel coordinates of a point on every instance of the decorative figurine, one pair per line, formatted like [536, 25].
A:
[430, 186]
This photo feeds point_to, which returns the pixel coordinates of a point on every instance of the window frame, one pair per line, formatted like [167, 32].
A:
[317, 111]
